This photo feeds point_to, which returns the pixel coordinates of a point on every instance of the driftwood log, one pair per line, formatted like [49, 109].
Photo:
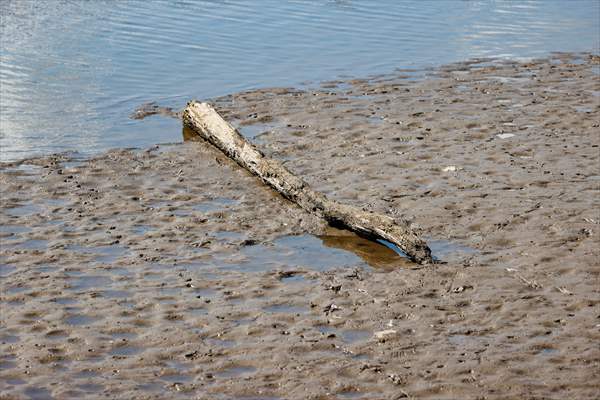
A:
[205, 121]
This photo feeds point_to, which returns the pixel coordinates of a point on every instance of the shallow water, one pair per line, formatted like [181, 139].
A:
[72, 72]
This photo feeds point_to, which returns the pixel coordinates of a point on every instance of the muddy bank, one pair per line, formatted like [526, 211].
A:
[171, 273]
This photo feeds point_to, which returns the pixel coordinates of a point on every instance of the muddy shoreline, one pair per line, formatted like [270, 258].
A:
[169, 272]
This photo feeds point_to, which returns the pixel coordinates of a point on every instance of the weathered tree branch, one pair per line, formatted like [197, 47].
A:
[204, 120]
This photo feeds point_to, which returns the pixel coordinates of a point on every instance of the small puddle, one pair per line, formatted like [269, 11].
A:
[16, 289]
[123, 335]
[73, 163]
[441, 249]
[57, 202]
[90, 282]
[254, 130]
[38, 393]
[15, 381]
[5, 364]
[227, 236]
[91, 387]
[175, 378]
[142, 229]
[9, 339]
[348, 336]
[6, 270]
[86, 374]
[375, 120]
[80, 319]
[28, 169]
[234, 372]
[104, 254]
[351, 395]
[286, 308]
[216, 204]
[116, 294]
[548, 352]
[126, 351]
[14, 229]
[206, 292]
[303, 250]
[221, 342]
[583, 109]
[149, 387]
[25, 210]
[65, 300]
[33, 244]
[356, 335]
[197, 311]
[467, 341]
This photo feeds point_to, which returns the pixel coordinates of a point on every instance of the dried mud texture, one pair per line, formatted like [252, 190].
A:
[171, 273]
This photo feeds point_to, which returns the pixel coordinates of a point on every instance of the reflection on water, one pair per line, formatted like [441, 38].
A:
[71, 72]
[386, 255]
[374, 254]
[292, 251]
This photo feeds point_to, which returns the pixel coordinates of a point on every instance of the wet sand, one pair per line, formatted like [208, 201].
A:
[170, 273]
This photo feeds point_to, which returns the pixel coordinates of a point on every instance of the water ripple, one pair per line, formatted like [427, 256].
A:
[71, 72]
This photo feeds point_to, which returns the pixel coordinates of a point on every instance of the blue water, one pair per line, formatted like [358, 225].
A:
[71, 72]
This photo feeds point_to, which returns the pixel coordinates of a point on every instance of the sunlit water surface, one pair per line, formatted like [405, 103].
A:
[71, 72]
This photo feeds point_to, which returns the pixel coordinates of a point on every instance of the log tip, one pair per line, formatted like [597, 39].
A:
[421, 253]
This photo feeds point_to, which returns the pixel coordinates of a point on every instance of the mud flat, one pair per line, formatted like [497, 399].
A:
[171, 273]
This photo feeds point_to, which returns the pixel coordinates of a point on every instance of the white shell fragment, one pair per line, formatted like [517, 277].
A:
[505, 135]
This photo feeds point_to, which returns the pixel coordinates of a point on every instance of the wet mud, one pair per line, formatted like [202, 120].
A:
[169, 272]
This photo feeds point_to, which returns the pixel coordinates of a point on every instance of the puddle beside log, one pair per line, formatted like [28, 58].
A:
[335, 249]
[385, 255]
[292, 251]
[374, 254]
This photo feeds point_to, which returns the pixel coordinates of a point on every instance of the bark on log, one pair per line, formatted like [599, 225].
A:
[206, 122]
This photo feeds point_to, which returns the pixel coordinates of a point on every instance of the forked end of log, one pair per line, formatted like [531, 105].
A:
[205, 121]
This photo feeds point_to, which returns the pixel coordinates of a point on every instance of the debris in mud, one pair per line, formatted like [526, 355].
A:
[287, 274]
[530, 283]
[193, 355]
[461, 289]
[335, 288]
[377, 368]
[356, 274]
[330, 309]
[586, 232]
[382, 335]
[564, 290]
